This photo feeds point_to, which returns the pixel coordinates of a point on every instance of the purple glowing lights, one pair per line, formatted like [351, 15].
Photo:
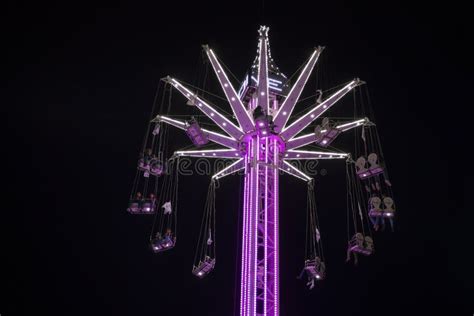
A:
[259, 271]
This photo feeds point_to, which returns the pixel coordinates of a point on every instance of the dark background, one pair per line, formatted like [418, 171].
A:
[80, 81]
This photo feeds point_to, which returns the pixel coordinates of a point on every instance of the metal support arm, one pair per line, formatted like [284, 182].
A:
[350, 125]
[243, 117]
[212, 136]
[284, 112]
[262, 77]
[306, 154]
[210, 153]
[287, 167]
[233, 168]
[300, 141]
[317, 110]
[205, 107]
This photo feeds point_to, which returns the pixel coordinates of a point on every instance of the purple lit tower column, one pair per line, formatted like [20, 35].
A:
[259, 272]
[259, 275]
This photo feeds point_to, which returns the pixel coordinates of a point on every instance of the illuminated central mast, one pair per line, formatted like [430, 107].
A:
[259, 272]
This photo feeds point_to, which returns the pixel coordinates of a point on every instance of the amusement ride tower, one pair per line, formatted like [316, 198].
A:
[261, 145]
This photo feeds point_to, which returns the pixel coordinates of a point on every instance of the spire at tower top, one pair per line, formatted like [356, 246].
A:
[278, 83]
[263, 31]
[272, 67]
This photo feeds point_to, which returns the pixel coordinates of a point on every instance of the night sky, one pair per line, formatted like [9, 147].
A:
[80, 82]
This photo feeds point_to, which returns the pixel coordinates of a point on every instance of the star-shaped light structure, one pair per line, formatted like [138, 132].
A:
[261, 142]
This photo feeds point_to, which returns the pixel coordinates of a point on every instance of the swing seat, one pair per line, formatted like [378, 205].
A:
[376, 213]
[327, 137]
[148, 207]
[367, 173]
[196, 135]
[143, 165]
[156, 168]
[314, 269]
[362, 250]
[162, 244]
[204, 267]
[360, 246]
[134, 207]
[376, 170]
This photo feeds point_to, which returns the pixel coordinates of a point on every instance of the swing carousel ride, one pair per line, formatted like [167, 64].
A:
[261, 139]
